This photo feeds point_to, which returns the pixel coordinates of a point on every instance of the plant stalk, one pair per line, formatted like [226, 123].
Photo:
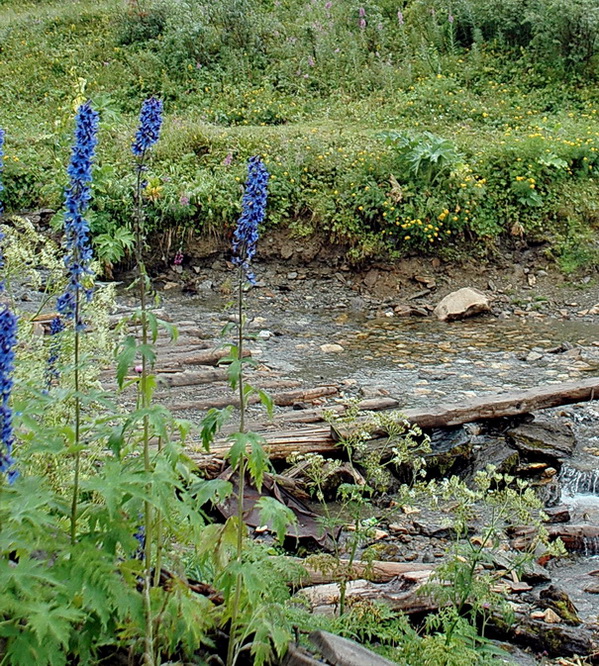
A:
[231, 651]
[75, 499]
[149, 657]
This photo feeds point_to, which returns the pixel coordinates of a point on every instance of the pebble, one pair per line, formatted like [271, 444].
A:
[331, 348]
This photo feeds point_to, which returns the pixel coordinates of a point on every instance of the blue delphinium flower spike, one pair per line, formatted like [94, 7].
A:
[8, 340]
[77, 199]
[150, 121]
[253, 212]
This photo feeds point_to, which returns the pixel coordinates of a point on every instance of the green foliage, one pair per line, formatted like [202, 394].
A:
[311, 90]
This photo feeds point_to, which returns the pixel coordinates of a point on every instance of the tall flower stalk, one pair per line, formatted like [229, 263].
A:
[78, 259]
[8, 340]
[245, 238]
[1, 170]
[150, 122]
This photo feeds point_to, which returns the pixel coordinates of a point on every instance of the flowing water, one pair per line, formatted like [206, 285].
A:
[422, 361]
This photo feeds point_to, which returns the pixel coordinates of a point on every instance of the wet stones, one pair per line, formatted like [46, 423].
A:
[543, 439]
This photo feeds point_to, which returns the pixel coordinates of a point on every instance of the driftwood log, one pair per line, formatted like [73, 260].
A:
[283, 399]
[376, 571]
[403, 593]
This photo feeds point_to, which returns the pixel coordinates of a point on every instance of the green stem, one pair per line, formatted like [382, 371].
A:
[75, 499]
[149, 657]
[231, 652]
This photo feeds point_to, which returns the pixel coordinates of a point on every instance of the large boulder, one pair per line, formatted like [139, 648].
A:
[462, 303]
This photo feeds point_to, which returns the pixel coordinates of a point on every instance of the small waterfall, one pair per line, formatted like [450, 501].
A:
[580, 481]
[590, 546]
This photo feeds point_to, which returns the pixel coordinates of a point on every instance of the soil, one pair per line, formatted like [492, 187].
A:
[518, 278]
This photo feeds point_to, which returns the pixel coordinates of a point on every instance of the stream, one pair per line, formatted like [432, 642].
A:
[422, 361]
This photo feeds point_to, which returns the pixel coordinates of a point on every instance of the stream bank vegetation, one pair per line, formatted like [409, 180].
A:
[109, 546]
[421, 126]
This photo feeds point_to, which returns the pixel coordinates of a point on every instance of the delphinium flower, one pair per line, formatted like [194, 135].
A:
[52, 372]
[8, 340]
[150, 121]
[77, 198]
[253, 212]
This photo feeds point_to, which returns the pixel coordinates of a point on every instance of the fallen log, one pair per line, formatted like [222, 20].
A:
[402, 594]
[278, 445]
[376, 571]
[505, 404]
[324, 439]
[317, 415]
[210, 357]
[284, 399]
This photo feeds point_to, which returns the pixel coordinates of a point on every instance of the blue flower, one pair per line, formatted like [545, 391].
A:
[52, 372]
[150, 121]
[253, 212]
[1, 167]
[77, 199]
[8, 340]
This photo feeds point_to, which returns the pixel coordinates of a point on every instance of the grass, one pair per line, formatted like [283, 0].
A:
[317, 123]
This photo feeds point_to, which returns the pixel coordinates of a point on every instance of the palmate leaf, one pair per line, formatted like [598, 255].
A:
[21, 576]
[213, 491]
[125, 358]
[212, 423]
[258, 461]
[26, 649]
[47, 620]
[277, 516]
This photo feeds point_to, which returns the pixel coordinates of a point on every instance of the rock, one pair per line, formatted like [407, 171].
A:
[533, 356]
[465, 302]
[556, 600]
[557, 514]
[344, 652]
[371, 277]
[498, 453]
[451, 450]
[554, 639]
[410, 311]
[544, 438]
[331, 348]
[428, 281]
[264, 334]
[298, 656]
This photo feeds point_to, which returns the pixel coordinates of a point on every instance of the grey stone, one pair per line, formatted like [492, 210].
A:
[543, 439]
[462, 303]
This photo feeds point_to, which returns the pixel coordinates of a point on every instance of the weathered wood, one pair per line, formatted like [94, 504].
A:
[377, 571]
[210, 357]
[284, 399]
[323, 439]
[278, 445]
[505, 404]
[317, 415]
[401, 594]
[192, 378]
